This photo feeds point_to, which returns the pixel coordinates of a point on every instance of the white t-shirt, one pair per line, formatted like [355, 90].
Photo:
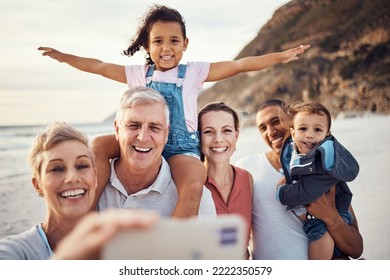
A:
[277, 234]
[196, 74]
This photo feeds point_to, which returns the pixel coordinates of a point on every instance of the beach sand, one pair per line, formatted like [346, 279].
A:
[367, 138]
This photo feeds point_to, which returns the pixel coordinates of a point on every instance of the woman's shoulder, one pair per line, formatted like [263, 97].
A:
[20, 246]
[240, 170]
[243, 175]
[28, 234]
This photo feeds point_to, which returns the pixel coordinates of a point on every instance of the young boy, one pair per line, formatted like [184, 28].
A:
[313, 162]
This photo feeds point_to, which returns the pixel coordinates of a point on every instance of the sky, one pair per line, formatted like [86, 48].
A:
[37, 90]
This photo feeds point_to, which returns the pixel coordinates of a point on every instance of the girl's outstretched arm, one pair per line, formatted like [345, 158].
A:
[109, 70]
[104, 147]
[226, 69]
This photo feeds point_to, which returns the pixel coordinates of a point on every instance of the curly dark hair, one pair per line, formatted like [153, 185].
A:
[155, 14]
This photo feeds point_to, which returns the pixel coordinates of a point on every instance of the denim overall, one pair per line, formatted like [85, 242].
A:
[180, 140]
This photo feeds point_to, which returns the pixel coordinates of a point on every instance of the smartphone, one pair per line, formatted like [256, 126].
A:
[201, 238]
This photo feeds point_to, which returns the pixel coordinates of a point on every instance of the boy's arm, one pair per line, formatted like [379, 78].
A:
[306, 189]
[346, 237]
[104, 148]
[226, 69]
[109, 70]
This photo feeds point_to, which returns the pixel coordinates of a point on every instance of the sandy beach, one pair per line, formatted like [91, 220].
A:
[366, 137]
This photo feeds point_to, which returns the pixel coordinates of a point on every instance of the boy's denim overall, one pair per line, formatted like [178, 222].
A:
[180, 140]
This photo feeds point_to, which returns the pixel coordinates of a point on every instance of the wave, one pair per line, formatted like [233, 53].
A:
[13, 147]
[19, 175]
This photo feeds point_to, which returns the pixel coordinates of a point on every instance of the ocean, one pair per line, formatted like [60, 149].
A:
[367, 138]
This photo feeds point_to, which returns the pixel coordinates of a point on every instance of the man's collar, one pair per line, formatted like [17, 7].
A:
[163, 180]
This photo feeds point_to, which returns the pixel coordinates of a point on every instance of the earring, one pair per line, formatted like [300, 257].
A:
[39, 191]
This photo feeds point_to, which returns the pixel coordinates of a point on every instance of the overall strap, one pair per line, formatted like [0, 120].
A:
[181, 74]
[149, 74]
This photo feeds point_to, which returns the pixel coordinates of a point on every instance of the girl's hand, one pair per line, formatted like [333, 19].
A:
[53, 53]
[292, 54]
